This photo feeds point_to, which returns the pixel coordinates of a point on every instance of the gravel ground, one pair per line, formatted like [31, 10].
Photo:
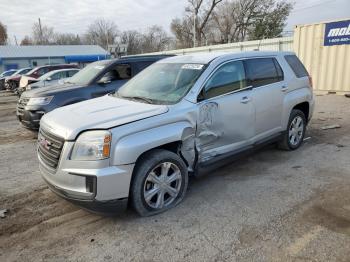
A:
[270, 206]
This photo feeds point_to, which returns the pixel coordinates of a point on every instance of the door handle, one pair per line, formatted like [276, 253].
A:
[284, 88]
[245, 100]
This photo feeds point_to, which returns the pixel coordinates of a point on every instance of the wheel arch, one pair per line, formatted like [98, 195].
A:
[303, 107]
[297, 99]
[176, 137]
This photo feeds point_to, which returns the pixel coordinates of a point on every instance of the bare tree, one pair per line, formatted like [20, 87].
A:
[231, 21]
[3, 34]
[26, 41]
[202, 11]
[43, 35]
[155, 39]
[67, 39]
[101, 32]
[133, 39]
[183, 31]
[195, 24]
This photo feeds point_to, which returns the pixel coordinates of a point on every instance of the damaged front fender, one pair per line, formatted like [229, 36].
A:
[129, 148]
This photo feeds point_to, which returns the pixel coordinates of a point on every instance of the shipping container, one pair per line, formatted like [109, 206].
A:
[324, 48]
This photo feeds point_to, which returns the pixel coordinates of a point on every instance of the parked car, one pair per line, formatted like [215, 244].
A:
[9, 84]
[96, 79]
[8, 73]
[36, 73]
[3, 77]
[52, 78]
[180, 116]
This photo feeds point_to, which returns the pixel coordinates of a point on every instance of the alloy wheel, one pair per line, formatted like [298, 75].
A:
[296, 131]
[162, 185]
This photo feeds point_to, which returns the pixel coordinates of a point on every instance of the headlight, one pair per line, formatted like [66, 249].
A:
[39, 101]
[92, 145]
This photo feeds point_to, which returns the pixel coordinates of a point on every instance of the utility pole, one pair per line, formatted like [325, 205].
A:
[107, 38]
[41, 32]
[194, 28]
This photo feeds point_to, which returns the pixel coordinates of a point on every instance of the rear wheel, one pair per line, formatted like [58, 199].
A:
[295, 133]
[159, 183]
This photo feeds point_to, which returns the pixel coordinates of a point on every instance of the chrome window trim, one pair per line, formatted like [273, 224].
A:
[236, 91]
[250, 88]
[275, 58]
[212, 73]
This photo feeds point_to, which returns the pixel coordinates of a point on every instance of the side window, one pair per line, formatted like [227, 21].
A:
[261, 71]
[139, 66]
[43, 71]
[119, 72]
[123, 71]
[297, 67]
[71, 73]
[56, 76]
[229, 77]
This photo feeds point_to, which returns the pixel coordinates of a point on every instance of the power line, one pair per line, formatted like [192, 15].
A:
[311, 6]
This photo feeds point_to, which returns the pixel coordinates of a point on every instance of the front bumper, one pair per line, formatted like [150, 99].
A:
[97, 186]
[106, 207]
[30, 119]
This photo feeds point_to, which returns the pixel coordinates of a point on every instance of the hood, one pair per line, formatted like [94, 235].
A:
[15, 78]
[99, 113]
[25, 80]
[37, 84]
[50, 90]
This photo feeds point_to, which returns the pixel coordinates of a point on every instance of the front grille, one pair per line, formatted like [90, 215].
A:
[22, 102]
[49, 149]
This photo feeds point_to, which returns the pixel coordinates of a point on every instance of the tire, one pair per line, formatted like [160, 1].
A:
[288, 142]
[151, 183]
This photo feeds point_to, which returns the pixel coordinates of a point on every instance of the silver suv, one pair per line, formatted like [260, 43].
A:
[178, 117]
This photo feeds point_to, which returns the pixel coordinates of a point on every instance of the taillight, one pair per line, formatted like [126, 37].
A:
[310, 82]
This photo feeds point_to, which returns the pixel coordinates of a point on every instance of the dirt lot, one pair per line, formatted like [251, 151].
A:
[271, 206]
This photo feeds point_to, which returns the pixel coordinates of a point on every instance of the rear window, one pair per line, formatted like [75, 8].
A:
[263, 71]
[297, 67]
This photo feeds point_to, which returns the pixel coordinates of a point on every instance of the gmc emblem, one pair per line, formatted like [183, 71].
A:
[44, 143]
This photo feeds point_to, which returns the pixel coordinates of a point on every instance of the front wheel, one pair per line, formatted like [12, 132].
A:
[159, 183]
[295, 132]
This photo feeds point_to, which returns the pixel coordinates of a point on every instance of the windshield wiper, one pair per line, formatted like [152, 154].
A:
[144, 99]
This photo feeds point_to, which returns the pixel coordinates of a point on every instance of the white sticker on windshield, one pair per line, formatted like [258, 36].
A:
[99, 67]
[193, 66]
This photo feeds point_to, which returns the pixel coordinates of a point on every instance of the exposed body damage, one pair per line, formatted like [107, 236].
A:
[209, 129]
[188, 148]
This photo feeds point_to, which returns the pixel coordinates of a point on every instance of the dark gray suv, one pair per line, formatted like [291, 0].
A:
[95, 80]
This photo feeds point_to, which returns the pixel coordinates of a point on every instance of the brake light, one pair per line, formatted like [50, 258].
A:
[310, 82]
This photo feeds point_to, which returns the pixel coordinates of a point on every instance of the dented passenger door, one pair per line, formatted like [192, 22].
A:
[226, 115]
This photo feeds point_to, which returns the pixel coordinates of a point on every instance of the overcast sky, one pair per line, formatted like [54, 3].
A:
[74, 16]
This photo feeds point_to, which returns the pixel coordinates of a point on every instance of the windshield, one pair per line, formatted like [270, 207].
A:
[8, 73]
[86, 75]
[162, 83]
[23, 71]
[32, 71]
[46, 76]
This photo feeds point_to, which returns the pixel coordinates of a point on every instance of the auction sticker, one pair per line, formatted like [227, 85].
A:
[193, 66]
